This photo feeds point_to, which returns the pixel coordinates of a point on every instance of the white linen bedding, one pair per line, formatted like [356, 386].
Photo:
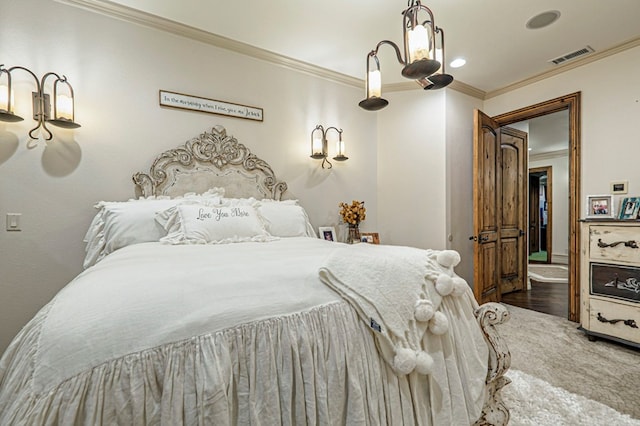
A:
[240, 333]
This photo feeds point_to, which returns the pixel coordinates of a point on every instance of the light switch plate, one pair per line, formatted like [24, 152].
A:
[13, 221]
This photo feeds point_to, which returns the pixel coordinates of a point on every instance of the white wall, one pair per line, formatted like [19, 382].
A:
[459, 180]
[609, 117]
[116, 69]
[412, 170]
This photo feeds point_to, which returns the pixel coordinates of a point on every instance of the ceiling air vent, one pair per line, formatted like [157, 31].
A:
[573, 55]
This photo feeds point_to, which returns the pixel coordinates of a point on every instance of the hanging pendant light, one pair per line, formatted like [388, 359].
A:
[417, 56]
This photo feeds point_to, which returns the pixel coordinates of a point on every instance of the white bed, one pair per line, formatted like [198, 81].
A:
[243, 331]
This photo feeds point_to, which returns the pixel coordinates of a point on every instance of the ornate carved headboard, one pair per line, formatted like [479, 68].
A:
[212, 159]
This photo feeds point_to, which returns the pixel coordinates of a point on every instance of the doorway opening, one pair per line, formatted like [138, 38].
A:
[540, 214]
[571, 104]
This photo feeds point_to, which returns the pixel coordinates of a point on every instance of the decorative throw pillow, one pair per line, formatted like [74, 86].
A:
[205, 223]
[121, 223]
[285, 219]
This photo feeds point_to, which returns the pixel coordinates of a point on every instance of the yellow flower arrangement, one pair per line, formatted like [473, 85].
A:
[353, 214]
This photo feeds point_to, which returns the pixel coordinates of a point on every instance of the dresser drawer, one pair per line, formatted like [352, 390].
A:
[614, 319]
[614, 243]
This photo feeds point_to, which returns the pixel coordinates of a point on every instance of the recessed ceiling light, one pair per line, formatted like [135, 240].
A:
[457, 63]
[543, 19]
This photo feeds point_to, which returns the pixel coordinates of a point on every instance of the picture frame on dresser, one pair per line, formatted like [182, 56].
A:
[600, 207]
[370, 237]
[629, 208]
[327, 233]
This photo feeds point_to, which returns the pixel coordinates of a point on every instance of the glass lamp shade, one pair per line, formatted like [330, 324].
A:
[63, 107]
[317, 148]
[418, 43]
[340, 156]
[6, 107]
[375, 84]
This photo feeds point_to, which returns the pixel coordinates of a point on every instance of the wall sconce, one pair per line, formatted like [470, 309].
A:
[418, 57]
[319, 145]
[63, 105]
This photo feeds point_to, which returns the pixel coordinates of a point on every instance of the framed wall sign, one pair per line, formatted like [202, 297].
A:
[211, 106]
[619, 187]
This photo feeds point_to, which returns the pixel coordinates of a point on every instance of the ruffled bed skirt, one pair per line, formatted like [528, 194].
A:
[316, 367]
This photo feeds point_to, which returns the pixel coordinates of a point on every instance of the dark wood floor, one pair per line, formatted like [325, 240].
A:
[549, 298]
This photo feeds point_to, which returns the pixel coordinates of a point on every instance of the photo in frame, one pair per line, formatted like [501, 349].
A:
[370, 237]
[327, 233]
[619, 187]
[600, 206]
[629, 208]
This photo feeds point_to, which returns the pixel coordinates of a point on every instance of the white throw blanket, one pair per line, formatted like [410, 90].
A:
[397, 291]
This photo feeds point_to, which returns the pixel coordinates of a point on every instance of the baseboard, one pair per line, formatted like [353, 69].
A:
[560, 258]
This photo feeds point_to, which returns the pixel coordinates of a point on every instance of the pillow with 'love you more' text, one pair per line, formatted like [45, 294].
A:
[200, 223]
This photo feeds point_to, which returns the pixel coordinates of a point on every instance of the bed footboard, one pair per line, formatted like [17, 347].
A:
[494, 411]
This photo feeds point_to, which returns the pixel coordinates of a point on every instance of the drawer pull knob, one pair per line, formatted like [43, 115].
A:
[630, 243]
[631, 323]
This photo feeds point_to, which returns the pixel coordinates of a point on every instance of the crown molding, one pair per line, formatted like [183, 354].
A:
[456, 85]
[562, 153]
[566, 67]
[128, 14]
[125, 13]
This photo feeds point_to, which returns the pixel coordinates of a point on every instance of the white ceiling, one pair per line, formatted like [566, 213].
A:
[337, 34]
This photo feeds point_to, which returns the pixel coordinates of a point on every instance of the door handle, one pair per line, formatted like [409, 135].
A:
[473, 238]
[521, 232]
[484, 238]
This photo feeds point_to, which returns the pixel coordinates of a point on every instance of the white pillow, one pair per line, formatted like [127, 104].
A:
[119, 224]
[285, 219]
[206, 223]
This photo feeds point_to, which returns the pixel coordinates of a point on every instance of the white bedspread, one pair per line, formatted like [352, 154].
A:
[225, 334]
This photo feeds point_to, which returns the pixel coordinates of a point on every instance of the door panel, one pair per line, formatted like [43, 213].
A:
[499, 165]
[513, 144]
[486, 216]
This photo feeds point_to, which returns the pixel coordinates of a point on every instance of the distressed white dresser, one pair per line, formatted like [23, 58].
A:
[610, 280]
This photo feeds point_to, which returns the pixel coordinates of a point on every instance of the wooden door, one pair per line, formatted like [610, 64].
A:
[499, 194]
[486, 207]
[514, 206]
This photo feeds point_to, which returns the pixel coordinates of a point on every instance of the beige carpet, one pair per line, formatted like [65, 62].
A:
[548, 273]
[534, 402]
[554, 350]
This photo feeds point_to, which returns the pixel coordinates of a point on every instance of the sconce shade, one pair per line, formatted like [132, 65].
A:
[6, 98]
[63, 106]
[340, 150]
[374, 88]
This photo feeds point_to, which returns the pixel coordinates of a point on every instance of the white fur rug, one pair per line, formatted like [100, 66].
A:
[535, 402]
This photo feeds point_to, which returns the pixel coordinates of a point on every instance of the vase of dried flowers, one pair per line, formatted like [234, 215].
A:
[352, 214]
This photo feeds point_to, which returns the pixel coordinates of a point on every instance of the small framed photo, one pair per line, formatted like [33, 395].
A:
[600, 206]
[629, 208]
[619, 187]
[370, 237]
[327, 233]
